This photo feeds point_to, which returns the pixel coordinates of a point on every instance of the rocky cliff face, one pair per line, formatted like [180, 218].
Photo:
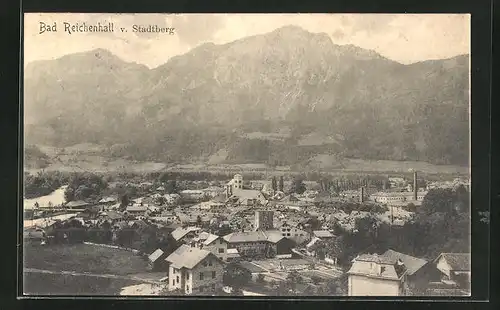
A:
[213, 96]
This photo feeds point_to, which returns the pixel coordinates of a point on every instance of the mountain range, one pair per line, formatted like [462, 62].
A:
[281, 98]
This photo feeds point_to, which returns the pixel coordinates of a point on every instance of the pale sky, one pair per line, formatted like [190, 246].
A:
[406, 38]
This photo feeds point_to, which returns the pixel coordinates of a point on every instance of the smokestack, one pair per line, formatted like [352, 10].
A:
[415, 186]
[362, 194]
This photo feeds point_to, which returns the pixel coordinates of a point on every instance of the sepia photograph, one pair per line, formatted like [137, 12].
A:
[246, 155]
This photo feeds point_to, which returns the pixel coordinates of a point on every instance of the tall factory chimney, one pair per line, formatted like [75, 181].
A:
[415, 186]
[362, 194]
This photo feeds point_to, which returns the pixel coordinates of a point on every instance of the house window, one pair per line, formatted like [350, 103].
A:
[213, 287]
[187, 276]
[201, 289]
[213, 274]
[210, 263]
[201, 275]
[177, 279]
[173, 282]
[187, 289]
[221, 250]
[205, 264]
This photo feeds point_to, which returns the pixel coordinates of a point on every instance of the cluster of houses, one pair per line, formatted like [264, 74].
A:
[268, 232]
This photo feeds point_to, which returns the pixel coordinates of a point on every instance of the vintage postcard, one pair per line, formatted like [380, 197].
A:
[246, 155]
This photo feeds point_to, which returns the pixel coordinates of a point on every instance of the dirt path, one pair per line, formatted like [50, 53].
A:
[88, 274]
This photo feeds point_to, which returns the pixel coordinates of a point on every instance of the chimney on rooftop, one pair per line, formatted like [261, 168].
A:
[415, 186]
[362, 194]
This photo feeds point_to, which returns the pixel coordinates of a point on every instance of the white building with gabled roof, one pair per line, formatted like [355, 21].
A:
[194, 271]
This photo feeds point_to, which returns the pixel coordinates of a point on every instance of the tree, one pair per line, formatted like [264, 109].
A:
[337, 286]
[293, 279]
[298, 186]
[281, 185]
[199, 222]
[171, 187]
[124, 201]
[125, 236]
[260, 278]
[69, 194]
[274, 184]
[235, 276]
[437, 200]
[316, 280]
[164, 177]
[336, 248]
[161, 200]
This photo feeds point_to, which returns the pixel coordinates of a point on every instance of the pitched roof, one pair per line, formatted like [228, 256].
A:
[114, 215]
[273, 236]
[374, 258]
[413, 264]
[322, 234]
[155, 255]
[384, 268]
[107, 199]
[137, 208]
[312, 242]
[211, 238]
[76, 203]
[220, 198]
[187, 257]
[233, 251]
[457, 261]
[180, 232]
[247, 194]
[247, 236]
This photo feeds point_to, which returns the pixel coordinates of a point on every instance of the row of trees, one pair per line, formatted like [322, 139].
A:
[43, 183]
[145, 238]
[85, 186]
[278, 186]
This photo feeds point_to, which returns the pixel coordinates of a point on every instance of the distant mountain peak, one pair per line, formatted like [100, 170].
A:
[291, 29]
[98, 53]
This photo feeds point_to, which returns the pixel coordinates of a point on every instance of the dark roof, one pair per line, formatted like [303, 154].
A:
[412, 264]
[457, 261]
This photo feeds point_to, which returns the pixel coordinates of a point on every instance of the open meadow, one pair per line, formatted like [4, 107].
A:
[79, 270]
[84, 258]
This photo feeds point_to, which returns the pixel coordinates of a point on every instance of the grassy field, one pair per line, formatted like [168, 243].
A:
[84, 258]
[57, 284]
